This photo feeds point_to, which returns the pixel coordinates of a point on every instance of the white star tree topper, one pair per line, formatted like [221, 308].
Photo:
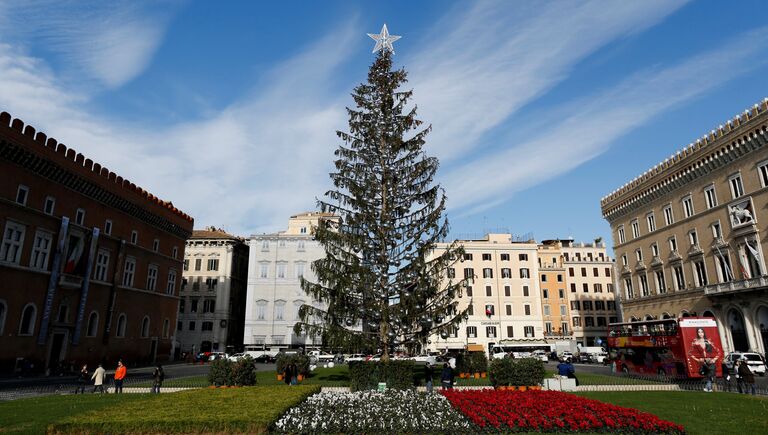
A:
[384, 40]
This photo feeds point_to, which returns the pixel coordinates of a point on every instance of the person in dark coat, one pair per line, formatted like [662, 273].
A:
[158, 376]
[429, 373]
[446, 377]
[82, 379]
[747, 378]
[726, 377]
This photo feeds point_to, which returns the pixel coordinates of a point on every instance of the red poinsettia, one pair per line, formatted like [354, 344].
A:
[553, 411]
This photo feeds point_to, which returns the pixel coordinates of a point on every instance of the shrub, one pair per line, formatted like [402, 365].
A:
[225, 372]
[220, 372]
[398, 375]
[301, 361]
[474, 362]
[517, 372]
[462, 363]
[500, 371]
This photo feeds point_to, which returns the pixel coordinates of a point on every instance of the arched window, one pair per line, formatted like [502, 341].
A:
[93, 324]
[3, 311]
[166, 327]
[145, 327]
[28, 320]
[120, 331]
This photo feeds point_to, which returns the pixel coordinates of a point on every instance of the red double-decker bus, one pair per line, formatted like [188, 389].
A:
[688, 347]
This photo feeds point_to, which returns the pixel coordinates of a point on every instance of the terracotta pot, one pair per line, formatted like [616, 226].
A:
[535, 387]
[483, 374]
[511, 388]
[522, 388]
[301, 378]
[279, 377]
[462, 375]
[477, 375]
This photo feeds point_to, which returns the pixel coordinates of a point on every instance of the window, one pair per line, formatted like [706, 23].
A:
[192, 326]
[211, 283]
[128, 272]
[545, 292]
[261, 310]
[601, 321]
[50, 204]
[108, 227]
[300, 246]
[80, 216]
[184, 283]
[156, 245]
[213, 264]
[562, 310]
[673, 244]
[510, 331]
[723, 262]
[635, 229]
[179, 325]
[737, 189]
[151, 277]
[490, 331]
[93, 324]
[624, 259]
[186, 264]
[630, 290]
[654, 250]
[585, 288]
[166, 328]
[589, 322]
[506, 272]
[559, 276]
[669, 218]
[40, 250]
[145, 327]
[575, 305]
[577, 321]
[522, 257]
[135, 238]
[508, 309]
[209, 306]
[651, 222]
[611, 306]
[13, 240]
[543, 278]
[688, 206]
[303, 230]
[528, 331]
[300, 270]
[487, 272]
[639, 254]
[198, 263]
[583, 271]
[693, 238]
[595, 272]
[504, 257]
[489, 310]
[524, 273]
[182, 305]
[525, 291]
[573, 288]
[548, 327]
[279, 310]
[451, 272]
[175, 252]
[622, 236]
[265, 245]
[661, 285]
[472, 331]
[701, 273]
[644, 285]
[546, 310]
[281, 270]
[28, 320]
[598, 288]
[488, 291]
[469, 273]
[468, 256]
[507, 291]
[469, 291]
[716, 231]
[63, 314]
[281, 244]
[679, 278]
[561, 293]
[570, 271]
[170, 286]
[486, 257]
[471, 310]
[263, 270]
[564, 327]
[121, 323]
[193, 306]
[527, 310]
[21, 194]
[206, 326]
[710, 196]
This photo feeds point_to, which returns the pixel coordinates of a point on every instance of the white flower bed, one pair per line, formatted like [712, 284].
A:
[373, 412]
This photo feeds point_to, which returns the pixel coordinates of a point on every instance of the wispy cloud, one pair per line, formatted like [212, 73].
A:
[480, 66]
[110, 42]
[593, 124]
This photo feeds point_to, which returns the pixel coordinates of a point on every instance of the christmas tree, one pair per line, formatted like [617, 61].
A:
[382, 284]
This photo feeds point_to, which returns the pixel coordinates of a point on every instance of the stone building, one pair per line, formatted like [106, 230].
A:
[90, 263]
[688, 232]
[275, 264]
[213, 290]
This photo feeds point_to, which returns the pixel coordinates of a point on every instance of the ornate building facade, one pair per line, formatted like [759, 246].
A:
[213, 290]
[90, 263]
[689, 233]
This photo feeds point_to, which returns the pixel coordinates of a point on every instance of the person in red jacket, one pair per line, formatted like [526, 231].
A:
[119, 376]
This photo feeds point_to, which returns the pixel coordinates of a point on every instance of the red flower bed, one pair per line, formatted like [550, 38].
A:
[552, 411]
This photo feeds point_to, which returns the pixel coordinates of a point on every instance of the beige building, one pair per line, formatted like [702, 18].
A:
[554, 290]
[688, 233]
[212, 304]
[504, 293]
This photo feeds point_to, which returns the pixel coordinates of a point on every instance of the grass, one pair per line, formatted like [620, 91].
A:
[698, 412]
[32, 416]
[227, 410]
[183, 382]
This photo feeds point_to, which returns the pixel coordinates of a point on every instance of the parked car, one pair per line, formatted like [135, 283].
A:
[355, 357]
[540, 354]
[217, 355]
[424, 359]
[236, 356]
[566, 354]
[754, 362]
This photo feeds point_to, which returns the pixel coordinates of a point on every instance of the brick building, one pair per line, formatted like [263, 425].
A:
[90, 263]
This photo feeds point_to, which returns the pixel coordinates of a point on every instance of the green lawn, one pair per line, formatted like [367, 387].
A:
[698, 412]
[221, 410]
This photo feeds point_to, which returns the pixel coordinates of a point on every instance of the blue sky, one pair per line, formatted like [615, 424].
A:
[229, 109]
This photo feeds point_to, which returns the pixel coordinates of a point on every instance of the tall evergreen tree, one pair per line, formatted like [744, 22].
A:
[383, 284]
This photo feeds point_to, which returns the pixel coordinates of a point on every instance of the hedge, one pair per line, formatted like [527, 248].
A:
[398, 375]
[517, 372]
[301, 361]
[233, 373]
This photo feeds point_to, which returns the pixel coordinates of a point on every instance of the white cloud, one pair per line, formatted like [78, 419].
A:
[595, 123]
[481, 66]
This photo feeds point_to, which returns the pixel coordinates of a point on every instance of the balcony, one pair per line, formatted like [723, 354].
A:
[736, 286]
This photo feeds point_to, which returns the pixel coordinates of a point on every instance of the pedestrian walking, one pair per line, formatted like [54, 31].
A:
[98, 379]
[446, 377]
[158, 377]
[294, 374]
[747, 378]
[82, 379]
[429, 373]
[288, 374]
[726, 377]
[120, 376]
